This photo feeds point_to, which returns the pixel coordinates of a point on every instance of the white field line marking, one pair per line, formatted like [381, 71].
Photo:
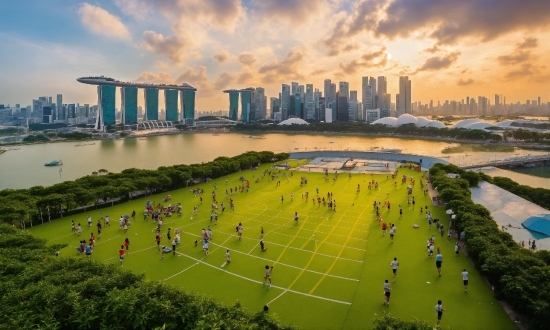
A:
[260, 282]
[282, 293]
[73, 234]
[176, 274]
[223, 265]
[317, 253]
[347, 247]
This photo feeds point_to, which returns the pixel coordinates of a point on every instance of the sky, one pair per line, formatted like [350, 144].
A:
[449, 49]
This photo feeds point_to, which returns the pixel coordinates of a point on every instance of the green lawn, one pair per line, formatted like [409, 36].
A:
[329, 267]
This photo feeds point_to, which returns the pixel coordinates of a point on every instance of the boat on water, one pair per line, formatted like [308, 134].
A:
[144, 138]
[256, 137]
[54, 163]
[391, 151]
[84, 144]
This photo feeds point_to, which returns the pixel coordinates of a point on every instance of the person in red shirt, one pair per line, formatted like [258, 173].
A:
[384, 227]
[121, 254]
[126, 243]
[157, 239]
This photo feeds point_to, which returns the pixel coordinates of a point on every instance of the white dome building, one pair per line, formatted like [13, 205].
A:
[505, 123]
[388, 121]
[436, 124]
[405, 119]
[466, 122]
[422, 121]
[478, 125]
[294, 121]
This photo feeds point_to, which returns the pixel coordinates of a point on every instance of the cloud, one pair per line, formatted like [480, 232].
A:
[438, 63]
[297, 12]
[373, 59]
[221, 56]
[247, 59]
[529, 42]
[155, 78]
[431, 50]
[288, 68]
[136, 8]
[525, 70]
[463, 82]
[514, 58]
[172, 47]
[100, 21]
[448, 21]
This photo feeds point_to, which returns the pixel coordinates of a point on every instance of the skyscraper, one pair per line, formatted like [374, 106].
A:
[334, 100]
[285, 101]
[59, 107]
[405, 103]
[106, 99]
[367, 93]
[151, 104]
[309, 106]
[343, 90]
[294, 88]
[234, 105]
[170, 104]
[129, 96]
[353, 96]
[382, 89]
[187, 99]
[260, 105]
[327, 92]
[343, 109]
[246, 104]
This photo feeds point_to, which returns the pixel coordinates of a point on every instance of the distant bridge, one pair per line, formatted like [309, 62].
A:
[542, 160]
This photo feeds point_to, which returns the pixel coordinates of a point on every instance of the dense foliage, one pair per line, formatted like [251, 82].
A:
[362, 127]
[519, 276]
[36, 138]
[39, 204]
[388, 322]
[539, 196]
[39, 290]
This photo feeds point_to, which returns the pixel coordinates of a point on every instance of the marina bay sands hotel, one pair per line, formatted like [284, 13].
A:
[106, 101]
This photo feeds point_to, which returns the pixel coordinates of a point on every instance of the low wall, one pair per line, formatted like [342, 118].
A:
[427, 162]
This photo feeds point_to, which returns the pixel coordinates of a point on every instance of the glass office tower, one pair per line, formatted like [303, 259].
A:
[171, 104]
[106, 106]
[246, 104]
[188, 107]
[129, 105]
[234, 105]
[151, 104]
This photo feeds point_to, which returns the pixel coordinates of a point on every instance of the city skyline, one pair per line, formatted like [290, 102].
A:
[239, 44]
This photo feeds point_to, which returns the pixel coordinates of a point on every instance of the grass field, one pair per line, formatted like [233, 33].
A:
[329, 267]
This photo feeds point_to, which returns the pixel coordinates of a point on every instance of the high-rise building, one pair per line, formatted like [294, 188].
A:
[353, 96]
[352, 110]
[342, 104]
[294, 88]
[87, 108]
[322, 109]
[47, 115]
[316, 97]
[71, 111]
[151, 104]
[309, 106]
[187, 99]
[343, 89]
[327, 92]
[234, 105]
[405, 103]
[59, 107]
[171, 104]
[129, 100]
[106, 100]
[246, 104]
[285, 101]
[275, 106]
[367, 94]
[260, 105]
[381, 90]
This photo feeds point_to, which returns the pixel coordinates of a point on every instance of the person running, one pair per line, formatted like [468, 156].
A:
[227, 257]
[121, 254]
[394, 264]
[384, 227]
[457, 249]
[295, 216]
[439, 311]
[465, 279]
[98, 229]
[89, 221]
[400, 213]
[157, 239]
[79, 230]
[127, 243]
[262, 246]
[205, 247]
[392, 233]
[267, 275]
[174, 246]
[387, 293]
[438, 262]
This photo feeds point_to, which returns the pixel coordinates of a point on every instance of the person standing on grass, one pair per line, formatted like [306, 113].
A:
[457, 249]
[262, 246]
[127, 243]
[174, 246]
[439, 311]
[240, 231]
[295, 216]
[267, 275]
[438, 261]
[387, 293]
[121, 254]
[394, 264]
[157, 239]
[465, 279]
[227, 257]
[392, 233]
[98, 229]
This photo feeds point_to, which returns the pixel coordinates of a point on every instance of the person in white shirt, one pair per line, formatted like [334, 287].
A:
[465, 280]
[439, 310]
[394, 264]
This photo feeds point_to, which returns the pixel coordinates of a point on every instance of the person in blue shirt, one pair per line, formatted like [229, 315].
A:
[88, 250]
[438, 262]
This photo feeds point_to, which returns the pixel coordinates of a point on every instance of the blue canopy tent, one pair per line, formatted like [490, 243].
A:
[539, 223]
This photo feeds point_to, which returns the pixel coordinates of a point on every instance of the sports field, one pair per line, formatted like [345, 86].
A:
[328, 267]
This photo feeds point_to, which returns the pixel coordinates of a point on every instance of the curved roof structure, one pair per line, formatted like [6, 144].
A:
[436, 124]
[422, 121]
[505, 123]
[478, 125]
[405, 119]
[466, 122]
[539, 223]
[101, 80]
[388, 121]
[294, 121]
